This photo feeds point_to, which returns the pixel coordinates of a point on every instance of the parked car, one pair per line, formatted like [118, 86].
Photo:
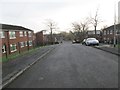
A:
[75, 41]
[91, 41]
[83, 42]
[56, 42]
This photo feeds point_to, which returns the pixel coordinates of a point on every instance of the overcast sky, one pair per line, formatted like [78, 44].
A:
[34, 14]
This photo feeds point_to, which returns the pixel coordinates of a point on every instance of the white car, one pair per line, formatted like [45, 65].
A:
[91, 41]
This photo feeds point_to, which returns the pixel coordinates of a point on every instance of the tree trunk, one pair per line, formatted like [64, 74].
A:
[51, 37]
[95, 32]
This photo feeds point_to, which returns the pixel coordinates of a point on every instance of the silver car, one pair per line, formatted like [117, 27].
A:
[91, 41]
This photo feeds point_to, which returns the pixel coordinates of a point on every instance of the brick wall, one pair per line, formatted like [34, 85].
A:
[39, 38]
[7, 41]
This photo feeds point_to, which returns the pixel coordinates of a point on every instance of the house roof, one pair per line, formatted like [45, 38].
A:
[112, 26]
[93, 32]
[13, 27]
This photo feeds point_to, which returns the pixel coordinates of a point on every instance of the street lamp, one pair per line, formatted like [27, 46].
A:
[114, 34]
[115, 25]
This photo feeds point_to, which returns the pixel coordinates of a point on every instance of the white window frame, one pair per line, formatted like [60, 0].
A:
[13, 35]
[30, 43]
[111, 31]
[104, 32]
[108, 32]
[25, 33]
[3, 47]
[22, 44]
[2, 34]
[11, 46]
[26, 43]
[117, 32]
[21, 33]
[30, 34]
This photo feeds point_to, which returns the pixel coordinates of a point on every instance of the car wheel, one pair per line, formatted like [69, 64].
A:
[97, 44]
[86, 44]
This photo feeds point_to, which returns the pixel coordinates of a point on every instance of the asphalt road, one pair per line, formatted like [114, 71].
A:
[71, 66]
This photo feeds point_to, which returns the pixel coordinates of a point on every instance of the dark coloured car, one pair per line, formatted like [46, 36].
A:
[75, 41]
[83, 42]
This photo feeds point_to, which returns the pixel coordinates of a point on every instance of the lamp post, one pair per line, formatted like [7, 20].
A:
[114, 34]
[115, 25]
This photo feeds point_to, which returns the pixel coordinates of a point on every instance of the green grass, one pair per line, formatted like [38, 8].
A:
[16, 55]
[118, 45]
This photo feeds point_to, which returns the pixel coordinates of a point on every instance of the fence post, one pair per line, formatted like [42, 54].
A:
[6, 51]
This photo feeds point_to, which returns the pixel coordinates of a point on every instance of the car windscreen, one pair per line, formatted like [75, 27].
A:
[91, 39]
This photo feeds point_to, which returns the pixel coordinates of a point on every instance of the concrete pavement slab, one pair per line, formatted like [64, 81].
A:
[109, 49]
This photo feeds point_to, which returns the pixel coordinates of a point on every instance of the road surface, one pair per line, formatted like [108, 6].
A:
[71, 66]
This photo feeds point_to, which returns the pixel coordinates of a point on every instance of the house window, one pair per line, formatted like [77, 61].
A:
[111, 31]
[30, 34]
[104, 38]
[104, 32]
[26, 44]
[107, 31]
[21, 44]
[2, 34]
[25, 33]
[30, 43]
[21, 33]
[13, 47]
[117, 32]
[12, 34]
[3, 49]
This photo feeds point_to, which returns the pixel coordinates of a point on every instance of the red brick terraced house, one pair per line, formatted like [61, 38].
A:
[39, 38]
[15, 39]
[108, 34]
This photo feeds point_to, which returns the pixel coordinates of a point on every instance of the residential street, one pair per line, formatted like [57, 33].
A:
[71, 66]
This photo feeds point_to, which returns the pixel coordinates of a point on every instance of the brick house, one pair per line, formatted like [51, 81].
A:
[108, 34]
[15, 39]
[39, 38]
[91, 34]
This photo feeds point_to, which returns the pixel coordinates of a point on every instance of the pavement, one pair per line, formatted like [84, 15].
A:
[0, 76]
[71, 66]
[13, 68]
[109, 48]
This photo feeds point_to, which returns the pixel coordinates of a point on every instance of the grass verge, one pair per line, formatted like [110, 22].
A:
[17, 55]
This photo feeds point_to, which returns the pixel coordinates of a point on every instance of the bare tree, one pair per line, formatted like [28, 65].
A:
[95, 21]
[66, 35]
[76, 27]
[81, 28]
[85, 26]
[77, 30]
[52, 26]
[73, 35]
